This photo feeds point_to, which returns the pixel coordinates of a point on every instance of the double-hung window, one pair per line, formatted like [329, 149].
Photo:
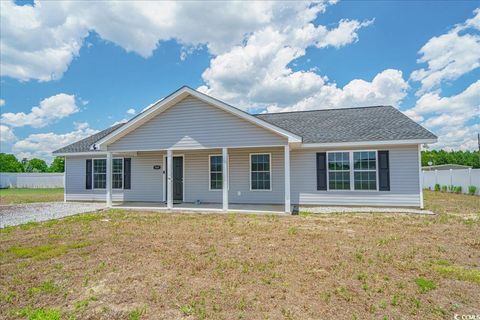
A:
[99, 173]
[117, 173]
[216, 173]
[339, 171]
[352, 170]
[365, 170]
[260, 172]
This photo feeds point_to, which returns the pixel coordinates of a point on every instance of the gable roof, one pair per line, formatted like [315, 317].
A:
[169, 101]
[328, 126]
[85, 145]
[377, 123]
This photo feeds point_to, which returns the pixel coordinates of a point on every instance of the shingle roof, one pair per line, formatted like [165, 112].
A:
[85, 144]
[377, 123]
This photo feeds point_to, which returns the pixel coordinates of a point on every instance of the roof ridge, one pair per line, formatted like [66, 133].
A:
[329, 109]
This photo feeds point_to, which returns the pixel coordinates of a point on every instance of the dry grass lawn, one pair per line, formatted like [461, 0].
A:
[20, 195]
[148, 265]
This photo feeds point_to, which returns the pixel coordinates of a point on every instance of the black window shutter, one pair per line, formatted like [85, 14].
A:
[88, 174]
[322, 171]
[127, 173]
[383, 171]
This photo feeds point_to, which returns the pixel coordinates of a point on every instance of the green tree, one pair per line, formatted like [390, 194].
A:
[36, 165]
[437, 157]
[9, 163]
[58, 165]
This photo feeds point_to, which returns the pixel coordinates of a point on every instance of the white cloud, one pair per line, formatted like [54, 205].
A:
[41, 145]
[257, 73]
[131, 111]
[120, 121]
[450, 55]
[2, 102]
[40, 42]
[6, 134]
[387, 88]
[50, 110]
[81, 125]
[454, 119]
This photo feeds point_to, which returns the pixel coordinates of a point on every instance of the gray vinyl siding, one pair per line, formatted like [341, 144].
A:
[146, 183]
[197, 177]
[404, 181]
[194, 124]
[239, 191]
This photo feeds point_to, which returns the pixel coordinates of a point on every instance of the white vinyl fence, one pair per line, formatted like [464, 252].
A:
[455, 177]
[31, 180]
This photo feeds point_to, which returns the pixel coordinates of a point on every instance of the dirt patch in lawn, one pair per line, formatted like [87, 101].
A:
[131, 265]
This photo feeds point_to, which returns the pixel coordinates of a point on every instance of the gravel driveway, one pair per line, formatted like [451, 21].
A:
[12, 215]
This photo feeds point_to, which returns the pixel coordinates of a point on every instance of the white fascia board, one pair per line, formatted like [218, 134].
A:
[367, 143]
[64, 154]
[246, 116]
[163, 104]
[97, 153]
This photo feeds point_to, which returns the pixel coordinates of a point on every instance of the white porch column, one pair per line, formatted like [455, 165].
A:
[225, 178]
[420, 182]
[64, 179]
[287, 178]
[169, 179]
[109, 179]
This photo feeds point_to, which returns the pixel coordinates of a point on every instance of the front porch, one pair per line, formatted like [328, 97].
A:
[203, 207]
[210, 179]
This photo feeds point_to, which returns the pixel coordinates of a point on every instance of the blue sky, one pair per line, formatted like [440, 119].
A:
[85, 66]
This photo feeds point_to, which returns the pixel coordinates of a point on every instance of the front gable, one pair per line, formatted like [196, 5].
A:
[192, 123]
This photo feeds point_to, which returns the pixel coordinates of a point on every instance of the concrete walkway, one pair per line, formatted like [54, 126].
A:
[364, 210]
[12, 215]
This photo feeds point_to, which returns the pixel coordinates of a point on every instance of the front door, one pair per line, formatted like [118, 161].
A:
[177, 182]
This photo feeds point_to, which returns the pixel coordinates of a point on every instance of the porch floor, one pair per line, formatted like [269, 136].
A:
[232, 207]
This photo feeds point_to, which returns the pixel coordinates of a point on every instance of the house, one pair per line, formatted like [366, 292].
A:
[190, 150]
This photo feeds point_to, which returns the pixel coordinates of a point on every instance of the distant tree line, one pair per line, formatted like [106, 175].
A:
[437, 157]
[10, 163]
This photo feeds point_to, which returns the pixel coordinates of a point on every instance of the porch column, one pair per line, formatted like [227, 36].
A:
[287, 178]
[225, 178]
[169, 179]
[109, 179]
[420, 181]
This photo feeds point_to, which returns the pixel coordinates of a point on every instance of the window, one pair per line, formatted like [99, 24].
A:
[99, 173]
[365, 170]
[352, 170]
[117, 173]
[216, 174]
[339, 171]
[260, 172]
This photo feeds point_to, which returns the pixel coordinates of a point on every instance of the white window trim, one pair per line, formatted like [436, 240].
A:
[123, 171]
[270, 170]
[111, 178]
[210, 171]
[362, 170]
[349, 170]
[352, 171]
[93, 173]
